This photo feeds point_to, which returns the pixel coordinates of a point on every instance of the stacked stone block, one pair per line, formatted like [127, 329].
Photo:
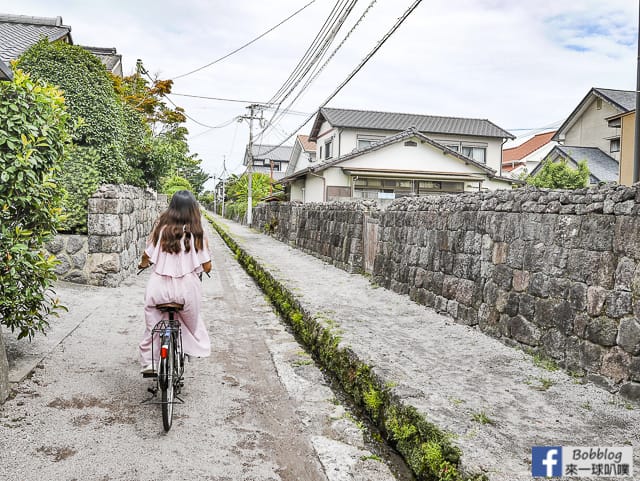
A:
[332, 231]
[119, 222]
[556, 272]
[120, 218]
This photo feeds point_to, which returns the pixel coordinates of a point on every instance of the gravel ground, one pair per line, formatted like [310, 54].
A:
[257, 409]
[493, 398]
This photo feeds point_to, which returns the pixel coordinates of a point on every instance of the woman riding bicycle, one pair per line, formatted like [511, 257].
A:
[178, 250]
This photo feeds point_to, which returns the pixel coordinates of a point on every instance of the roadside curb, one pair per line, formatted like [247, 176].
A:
[428, 450]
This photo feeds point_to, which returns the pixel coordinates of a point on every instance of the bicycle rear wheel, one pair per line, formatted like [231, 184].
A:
[167, 382]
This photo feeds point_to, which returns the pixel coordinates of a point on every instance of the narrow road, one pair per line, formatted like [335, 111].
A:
[257, 409]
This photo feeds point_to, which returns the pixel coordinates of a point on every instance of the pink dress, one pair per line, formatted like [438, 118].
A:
[174, 278]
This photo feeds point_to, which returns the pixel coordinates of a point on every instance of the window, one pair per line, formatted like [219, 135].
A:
[476, 153]
[614, 145]
[598, 104]
[338, 192]
[411, 143]
[321, 151]
[328, 149]
[366, 141]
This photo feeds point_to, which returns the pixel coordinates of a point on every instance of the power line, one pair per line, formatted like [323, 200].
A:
[317, 72]
[246, 44]
[221, 99]
[362, 63]
[314, 54]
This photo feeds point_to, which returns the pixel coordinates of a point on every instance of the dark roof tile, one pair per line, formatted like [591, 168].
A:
[431, 124]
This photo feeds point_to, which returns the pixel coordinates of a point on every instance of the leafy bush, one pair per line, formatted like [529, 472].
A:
[558, 175]
[90, 95]
[33, 136]
[175, 183]
[80, 179]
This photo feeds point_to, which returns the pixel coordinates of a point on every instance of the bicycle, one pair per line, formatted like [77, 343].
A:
[170, 367]
[169, 372]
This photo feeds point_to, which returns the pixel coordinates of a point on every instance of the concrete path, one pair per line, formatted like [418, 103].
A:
[493, 398]
[257, 409]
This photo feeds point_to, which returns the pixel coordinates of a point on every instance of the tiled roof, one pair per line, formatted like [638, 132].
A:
[524, 149]
[281, 153]
[19, 32]
[109, 57]
[625, 99]
[429, 124]
[307, 145]
[399, 137]
[603, 168]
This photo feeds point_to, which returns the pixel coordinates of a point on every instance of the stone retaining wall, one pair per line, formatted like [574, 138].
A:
[120, 218]
[332, 231]
[552, 271]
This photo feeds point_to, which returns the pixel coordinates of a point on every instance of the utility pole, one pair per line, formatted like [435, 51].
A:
[215, 196]
[224, 170]
[636, 140]
[253, 113]
[250, 169]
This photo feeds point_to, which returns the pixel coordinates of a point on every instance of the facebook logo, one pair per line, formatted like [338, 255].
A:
[546, 461]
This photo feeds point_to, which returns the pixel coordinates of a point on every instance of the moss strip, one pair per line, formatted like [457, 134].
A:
[427, 450]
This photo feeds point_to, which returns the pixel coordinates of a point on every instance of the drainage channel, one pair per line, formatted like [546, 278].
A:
[372, 441]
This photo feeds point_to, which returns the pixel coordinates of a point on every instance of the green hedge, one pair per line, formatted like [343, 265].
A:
[33, 136]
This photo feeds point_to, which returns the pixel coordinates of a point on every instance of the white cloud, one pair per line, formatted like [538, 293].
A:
[520, 64]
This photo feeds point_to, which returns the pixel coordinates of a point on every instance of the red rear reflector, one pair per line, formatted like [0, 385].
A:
[163, 351]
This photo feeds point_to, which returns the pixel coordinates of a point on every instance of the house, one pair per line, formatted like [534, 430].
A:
[592, 132]
[19, 32]
[589, 125]
[269, 159]
[367, 154]
[526, 156]
[5, 71]
[111, 59]
[302, 155]
[627, 123]
[602, 167]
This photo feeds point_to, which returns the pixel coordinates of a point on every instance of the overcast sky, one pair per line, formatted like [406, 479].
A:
[522, 64]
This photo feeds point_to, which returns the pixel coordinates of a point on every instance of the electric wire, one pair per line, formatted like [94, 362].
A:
[347, 8]
[246, 44]
[362, 63]
[319, 53]
[309, 52]
[319, 70]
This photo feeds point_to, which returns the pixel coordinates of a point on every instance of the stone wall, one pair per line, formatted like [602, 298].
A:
[120, 218]
[332, 232]
[556, 272]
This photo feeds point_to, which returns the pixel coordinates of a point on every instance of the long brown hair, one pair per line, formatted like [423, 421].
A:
[180, 220]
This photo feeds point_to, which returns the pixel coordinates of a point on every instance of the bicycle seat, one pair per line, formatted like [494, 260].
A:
[169, 306]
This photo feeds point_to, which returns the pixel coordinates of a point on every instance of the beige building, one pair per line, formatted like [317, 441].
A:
[627, 145]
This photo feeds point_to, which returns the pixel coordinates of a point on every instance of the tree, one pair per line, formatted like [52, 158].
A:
[558, 175]
[89, 96]
[175, 183]
[237, 189]
[34, 132]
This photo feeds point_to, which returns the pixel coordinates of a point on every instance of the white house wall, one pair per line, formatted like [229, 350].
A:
[297, 190]
[423, 157]
[347, 141]
[314, 189]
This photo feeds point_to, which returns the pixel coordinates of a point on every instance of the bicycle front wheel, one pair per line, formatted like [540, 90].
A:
[167, 382]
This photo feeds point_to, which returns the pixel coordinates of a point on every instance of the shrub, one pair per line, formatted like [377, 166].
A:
[33, 137]
[80, 179]
[558, 175]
